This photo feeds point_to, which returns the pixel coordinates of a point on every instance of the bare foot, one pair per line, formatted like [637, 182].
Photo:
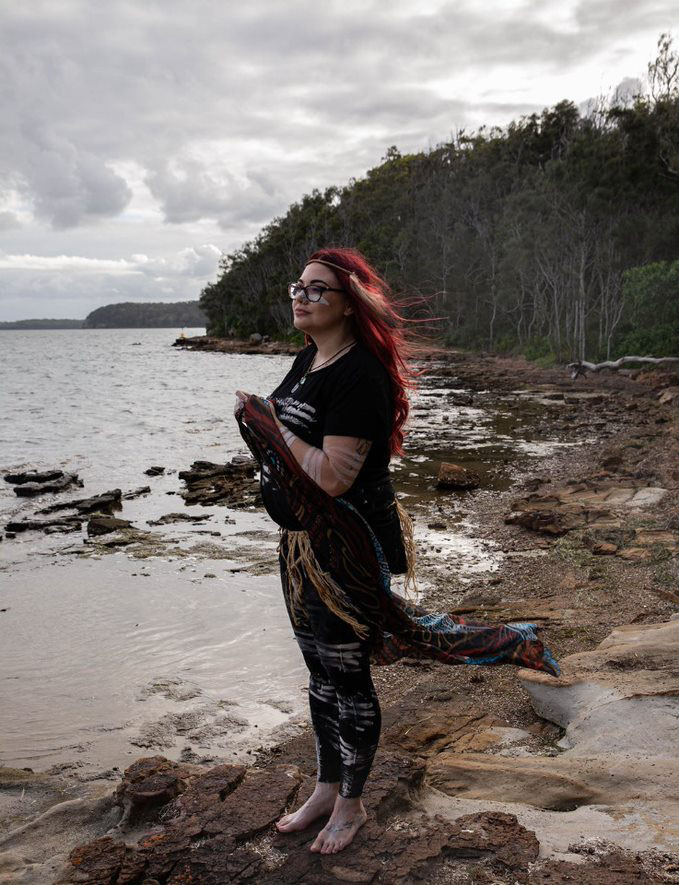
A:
[347, 818]
[321, 802]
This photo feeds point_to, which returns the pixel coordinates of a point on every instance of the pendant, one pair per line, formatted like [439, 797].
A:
[302, 380]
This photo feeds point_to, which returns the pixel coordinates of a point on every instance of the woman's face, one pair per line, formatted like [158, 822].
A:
[331, 312]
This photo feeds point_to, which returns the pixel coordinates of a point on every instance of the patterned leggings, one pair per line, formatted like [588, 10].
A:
[345, 711]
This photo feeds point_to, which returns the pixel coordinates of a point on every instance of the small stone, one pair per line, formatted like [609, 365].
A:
[453, 476]
[603, 548]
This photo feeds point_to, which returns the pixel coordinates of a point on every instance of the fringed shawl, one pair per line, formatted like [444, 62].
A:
[340, 555]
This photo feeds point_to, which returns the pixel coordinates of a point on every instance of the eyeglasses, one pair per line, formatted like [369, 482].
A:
[312, 292]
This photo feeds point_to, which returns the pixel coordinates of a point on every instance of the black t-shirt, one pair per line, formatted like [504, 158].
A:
[350, 397]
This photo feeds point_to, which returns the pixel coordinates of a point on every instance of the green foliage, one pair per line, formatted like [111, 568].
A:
[519, 238]
[651, 323]
[538, 349]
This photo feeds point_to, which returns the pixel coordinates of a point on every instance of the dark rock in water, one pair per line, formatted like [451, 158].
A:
[104, 503]
[137, 493]
[62, 529]
[178, 517]
[30, 484]
[453, 476]
[59, 524]
[154, 471]
[233, 483]
[33, 476]
[461, 397]
[102, 525]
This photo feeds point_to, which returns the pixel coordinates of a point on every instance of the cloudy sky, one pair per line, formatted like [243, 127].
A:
[141, 140]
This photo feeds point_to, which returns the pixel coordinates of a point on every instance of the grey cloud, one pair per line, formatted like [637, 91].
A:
[118, 81]
[67, 185]
[612, 18]
[9, 221]
[288, 97]
[190, 190]
[195, 261]
[26, 294]
[142, 82]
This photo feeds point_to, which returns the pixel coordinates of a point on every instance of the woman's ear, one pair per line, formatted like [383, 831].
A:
[348, 311]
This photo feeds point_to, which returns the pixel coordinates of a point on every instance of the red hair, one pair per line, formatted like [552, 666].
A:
[379, 325]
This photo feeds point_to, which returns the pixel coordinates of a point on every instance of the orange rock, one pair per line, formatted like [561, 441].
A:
[453, 476]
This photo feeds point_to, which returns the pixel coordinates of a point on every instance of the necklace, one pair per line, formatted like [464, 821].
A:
[346, 347]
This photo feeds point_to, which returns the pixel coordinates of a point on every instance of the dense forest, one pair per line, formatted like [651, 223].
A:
[557, 236]
[151, 314]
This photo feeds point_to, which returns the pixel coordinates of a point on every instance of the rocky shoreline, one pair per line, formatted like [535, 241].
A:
[484, 775]
[256, 343]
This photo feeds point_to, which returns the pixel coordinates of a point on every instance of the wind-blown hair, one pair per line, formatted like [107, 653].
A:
[378, 324]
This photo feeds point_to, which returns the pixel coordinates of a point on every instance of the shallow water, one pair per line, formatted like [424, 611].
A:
[96, 653]
[106, 659]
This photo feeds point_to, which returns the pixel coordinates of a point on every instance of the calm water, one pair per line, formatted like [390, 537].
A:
[96, 655]
[96, 402]
[106, 659]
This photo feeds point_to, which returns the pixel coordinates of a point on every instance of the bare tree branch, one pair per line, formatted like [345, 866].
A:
[581, 367]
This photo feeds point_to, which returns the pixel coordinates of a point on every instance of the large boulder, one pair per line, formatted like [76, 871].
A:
[615, 772]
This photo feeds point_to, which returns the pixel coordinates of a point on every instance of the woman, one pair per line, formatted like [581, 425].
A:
[324, 439]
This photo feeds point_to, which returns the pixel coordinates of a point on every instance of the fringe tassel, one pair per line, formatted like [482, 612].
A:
[300, 556]
[409, 544]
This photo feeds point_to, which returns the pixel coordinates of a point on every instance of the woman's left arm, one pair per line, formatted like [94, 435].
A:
[334, 467]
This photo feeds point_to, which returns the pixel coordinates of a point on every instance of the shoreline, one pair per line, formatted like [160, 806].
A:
[213, 344]
[456, 739]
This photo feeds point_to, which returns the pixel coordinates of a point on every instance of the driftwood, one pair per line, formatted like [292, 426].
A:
[582, 366]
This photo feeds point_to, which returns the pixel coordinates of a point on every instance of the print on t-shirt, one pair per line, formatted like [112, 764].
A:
[292, 411]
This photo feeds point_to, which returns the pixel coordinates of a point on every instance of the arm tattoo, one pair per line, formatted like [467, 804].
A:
[288, 436]
[334, 467]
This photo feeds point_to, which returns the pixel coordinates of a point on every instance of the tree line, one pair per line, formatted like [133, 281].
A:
[556, 236]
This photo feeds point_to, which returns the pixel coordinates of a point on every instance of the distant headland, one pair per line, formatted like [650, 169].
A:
[42, 324]
[125, 315]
